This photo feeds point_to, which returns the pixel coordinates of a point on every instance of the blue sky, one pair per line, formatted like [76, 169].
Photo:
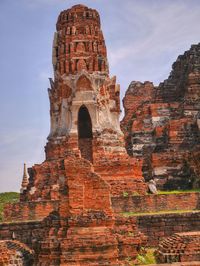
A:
[143, 37]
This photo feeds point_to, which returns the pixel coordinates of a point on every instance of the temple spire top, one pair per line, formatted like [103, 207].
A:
[24, 179]
[79, 43]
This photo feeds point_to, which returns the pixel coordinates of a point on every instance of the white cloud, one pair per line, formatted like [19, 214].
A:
[168, 27]
[153, 36]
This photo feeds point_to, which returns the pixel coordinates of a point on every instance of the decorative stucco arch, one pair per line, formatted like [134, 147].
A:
[83, 84]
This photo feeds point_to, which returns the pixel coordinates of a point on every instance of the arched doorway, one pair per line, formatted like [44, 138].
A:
[85, 133]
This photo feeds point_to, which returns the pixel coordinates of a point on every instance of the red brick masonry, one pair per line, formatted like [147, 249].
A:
[156, 203]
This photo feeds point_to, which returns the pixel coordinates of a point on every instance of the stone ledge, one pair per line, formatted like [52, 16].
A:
[156, 203]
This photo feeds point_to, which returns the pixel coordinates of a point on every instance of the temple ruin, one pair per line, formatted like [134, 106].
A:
[87, 204]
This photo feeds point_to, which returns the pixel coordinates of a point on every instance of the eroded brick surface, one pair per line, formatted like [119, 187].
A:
[161, 124]
[15, 253]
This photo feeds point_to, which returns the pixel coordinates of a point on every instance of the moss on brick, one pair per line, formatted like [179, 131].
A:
[128, 214]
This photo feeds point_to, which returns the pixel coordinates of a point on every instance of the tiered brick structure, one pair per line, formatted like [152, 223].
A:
[86, 160]
[161, 124]
[183, 247]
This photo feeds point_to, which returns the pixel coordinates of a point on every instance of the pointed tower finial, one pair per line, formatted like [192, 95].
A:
[24, 180]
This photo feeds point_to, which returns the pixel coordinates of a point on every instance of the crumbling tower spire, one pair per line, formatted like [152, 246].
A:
[82, 92]
[85, 102]
[24, 180]
[79, 43]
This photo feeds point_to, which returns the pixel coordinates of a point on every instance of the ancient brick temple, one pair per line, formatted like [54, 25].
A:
[161, 124]
[66, 202]
[86, 204]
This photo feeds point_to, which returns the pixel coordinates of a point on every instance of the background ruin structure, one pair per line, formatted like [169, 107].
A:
[161, 124]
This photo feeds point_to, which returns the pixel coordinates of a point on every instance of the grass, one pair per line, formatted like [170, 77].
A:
[165, 192]
[128, 214]
[7, 197]
[178, 191]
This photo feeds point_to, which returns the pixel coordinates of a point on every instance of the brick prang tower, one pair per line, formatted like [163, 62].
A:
[85, 103]
[67, 201]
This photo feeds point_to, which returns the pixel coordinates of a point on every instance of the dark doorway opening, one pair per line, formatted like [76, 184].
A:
[85, 133]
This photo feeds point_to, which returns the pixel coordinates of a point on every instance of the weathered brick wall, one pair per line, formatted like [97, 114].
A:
[155, 227]
[15, 253]
[84, 225]
[119, 170]
[28, 233]
[25, 211]
[25, 232]
[156, 203]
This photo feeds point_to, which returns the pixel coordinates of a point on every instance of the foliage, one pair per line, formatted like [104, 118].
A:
[136, 194]
[7, 197]
[146, 257]
[125, 194]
